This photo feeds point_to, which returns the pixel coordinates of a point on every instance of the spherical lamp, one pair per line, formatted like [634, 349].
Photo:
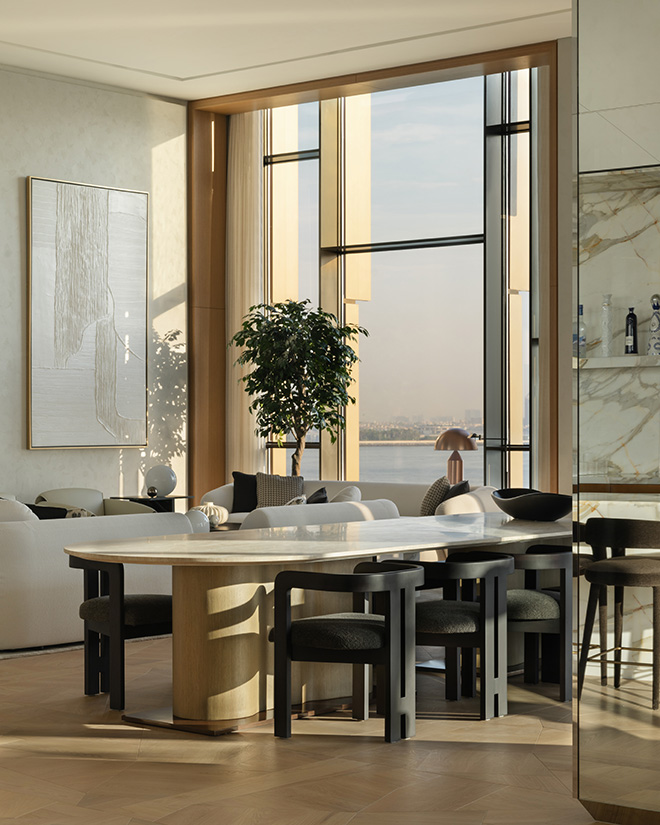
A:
[455, 439]
[160, 478]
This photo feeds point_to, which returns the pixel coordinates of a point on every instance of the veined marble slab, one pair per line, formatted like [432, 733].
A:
[619, 414]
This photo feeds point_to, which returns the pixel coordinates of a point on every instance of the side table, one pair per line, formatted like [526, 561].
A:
[161, 504]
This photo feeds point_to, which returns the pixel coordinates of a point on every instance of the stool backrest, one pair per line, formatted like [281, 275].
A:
[619, 534]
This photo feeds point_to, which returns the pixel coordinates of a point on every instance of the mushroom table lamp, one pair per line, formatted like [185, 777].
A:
[456, 440]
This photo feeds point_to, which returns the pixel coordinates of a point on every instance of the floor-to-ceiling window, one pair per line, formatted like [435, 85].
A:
[427, 195]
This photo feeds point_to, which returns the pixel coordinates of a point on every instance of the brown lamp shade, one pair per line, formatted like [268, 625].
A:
[455, 439]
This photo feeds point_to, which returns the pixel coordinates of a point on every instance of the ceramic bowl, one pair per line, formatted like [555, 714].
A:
[532, 505]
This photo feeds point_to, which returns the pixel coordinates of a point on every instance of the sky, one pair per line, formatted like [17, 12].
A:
[423, 358]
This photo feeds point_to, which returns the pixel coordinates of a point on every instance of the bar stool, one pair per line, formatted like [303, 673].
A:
[620, 571]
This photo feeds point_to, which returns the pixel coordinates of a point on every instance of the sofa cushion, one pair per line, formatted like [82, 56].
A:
[319, 496]
[245, 492]
[479, 500]
[274, 490]
[435, 495]
[349, 493]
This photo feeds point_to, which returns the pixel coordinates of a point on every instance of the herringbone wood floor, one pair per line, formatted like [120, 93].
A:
[65, 759]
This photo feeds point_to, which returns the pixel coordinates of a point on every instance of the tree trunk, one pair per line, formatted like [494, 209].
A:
[296, 458]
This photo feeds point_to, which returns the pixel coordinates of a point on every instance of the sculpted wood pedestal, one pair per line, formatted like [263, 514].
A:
[222, 587]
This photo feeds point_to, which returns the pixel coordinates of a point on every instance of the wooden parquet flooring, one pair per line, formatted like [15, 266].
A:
[65, 759]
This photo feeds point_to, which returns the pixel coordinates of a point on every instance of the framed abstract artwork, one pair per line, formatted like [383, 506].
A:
[87, 284]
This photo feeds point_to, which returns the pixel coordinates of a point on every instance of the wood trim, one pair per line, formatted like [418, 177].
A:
[631, 489]
[433, 71]
[207, 171]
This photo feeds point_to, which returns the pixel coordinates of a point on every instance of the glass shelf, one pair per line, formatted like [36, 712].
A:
[616, 362]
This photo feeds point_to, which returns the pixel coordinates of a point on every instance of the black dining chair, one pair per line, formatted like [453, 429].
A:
[610, 539]
[111, 617]
[471, 616]
[543, 612]
[381, 634]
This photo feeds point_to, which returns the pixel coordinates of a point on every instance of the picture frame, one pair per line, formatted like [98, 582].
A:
[87, 315]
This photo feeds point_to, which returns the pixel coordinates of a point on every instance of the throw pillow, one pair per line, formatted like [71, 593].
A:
[458, 489]
[435, 495]
[47, 511]
[296, 500]
[348, 494]
[78, 512]
[15, 511]
[245, 492]
[319, 496]
[275, 491]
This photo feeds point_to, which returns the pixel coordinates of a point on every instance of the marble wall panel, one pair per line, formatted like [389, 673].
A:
[619, 254]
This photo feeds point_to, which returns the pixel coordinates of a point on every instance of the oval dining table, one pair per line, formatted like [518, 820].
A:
[222, 600]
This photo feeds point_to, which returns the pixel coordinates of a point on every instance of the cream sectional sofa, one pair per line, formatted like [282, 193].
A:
[39, 592]
[406, 496]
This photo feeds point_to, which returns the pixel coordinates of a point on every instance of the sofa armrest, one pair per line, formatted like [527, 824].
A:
[331, 513]
[223, 496]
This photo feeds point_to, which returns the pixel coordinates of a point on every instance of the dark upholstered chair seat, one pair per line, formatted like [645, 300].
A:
[625, 571]
[444, 616]
[338, 631]
[531, 605]
[139, 609]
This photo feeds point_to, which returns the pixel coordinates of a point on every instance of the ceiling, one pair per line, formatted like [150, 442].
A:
[205, 48]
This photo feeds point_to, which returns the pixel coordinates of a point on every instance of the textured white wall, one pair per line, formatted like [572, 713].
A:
[55, 128]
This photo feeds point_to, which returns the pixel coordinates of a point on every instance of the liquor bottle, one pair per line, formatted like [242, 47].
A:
[606, 327]
[631, 332]
[582, 334]
[654, 327]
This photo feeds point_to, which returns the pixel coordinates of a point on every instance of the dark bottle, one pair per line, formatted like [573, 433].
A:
[631, 332]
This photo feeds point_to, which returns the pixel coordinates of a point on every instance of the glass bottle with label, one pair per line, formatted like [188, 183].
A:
[654, 327]
[631, 332]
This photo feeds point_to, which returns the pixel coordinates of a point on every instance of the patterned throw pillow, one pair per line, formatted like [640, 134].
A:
[275, 491]
[296, 500]
[435, 495]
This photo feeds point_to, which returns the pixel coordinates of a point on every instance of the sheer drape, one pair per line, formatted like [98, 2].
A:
[245, 278]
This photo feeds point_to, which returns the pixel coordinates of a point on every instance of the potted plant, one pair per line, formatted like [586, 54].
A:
[301, 361]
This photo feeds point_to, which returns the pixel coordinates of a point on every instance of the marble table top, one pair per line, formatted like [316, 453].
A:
[326, 542]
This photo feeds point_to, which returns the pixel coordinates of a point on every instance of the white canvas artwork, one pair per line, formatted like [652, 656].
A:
[88, 314]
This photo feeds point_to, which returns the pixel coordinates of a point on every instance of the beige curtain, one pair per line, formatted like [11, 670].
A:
[245, 278]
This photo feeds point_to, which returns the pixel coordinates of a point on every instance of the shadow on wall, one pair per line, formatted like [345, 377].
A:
[167, 406]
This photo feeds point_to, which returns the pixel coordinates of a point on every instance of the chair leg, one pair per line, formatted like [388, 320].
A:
[531, 658]
[656, 648]
[452, 674]
[117, 673]
[92, 662]
[360, 692]
[550, 657]
[602, 632]
[592, 604]
[469, 672]
[618, 634]
[282, 692]
[104, 664]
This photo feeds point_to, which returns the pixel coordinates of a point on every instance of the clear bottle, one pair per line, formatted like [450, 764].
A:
[606, 326]
[631, 332]
[654, 327]
[582, 334]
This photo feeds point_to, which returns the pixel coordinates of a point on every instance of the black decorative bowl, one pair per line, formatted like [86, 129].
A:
[532, 505]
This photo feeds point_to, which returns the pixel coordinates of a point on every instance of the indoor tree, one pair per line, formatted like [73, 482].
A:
[301, 361]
